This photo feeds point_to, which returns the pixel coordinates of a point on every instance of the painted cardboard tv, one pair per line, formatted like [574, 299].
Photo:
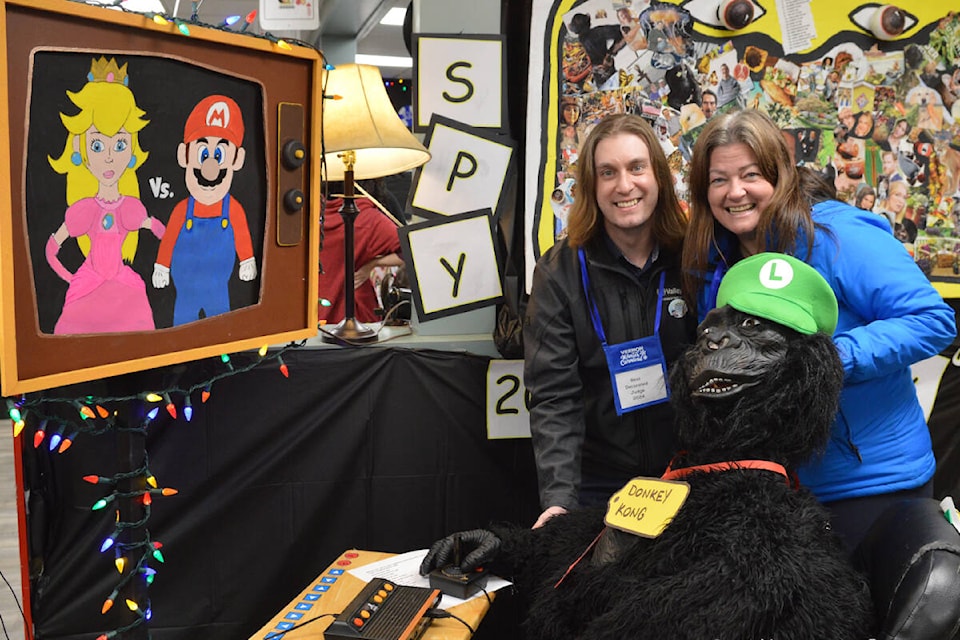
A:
[156, 193]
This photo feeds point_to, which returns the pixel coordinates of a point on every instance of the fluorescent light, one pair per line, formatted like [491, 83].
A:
[395, 17]
[384, 61]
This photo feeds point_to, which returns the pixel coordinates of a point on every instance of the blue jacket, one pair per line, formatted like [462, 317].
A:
[890, 318]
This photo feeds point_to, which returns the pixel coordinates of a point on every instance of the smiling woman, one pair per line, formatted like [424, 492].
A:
[747, 197]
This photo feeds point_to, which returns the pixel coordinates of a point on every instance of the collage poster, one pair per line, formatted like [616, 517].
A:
[877, 117]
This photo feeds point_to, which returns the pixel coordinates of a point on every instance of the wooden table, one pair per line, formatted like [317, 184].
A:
[333, 590]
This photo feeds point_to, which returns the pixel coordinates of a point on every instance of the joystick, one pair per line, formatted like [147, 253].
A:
[454, 581]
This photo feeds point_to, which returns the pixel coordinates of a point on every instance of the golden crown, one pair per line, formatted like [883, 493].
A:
[104, 70]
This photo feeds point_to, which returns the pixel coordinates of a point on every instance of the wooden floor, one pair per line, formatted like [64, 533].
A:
[9, 542]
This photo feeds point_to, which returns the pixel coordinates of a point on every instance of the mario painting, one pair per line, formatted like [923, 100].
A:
[208, 232]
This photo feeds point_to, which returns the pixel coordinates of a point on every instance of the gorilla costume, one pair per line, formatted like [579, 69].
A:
[750, 555]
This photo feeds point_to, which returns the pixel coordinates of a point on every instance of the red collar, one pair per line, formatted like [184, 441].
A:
[766, 465]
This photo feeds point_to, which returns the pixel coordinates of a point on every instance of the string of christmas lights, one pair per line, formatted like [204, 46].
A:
[95, 418]
[183, 26]
[132, 491]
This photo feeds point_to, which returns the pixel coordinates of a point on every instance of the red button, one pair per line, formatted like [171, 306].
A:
[357, 622]
[351, 554]
[343, 563]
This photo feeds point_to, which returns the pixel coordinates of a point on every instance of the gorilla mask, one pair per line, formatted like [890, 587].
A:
[744, 390]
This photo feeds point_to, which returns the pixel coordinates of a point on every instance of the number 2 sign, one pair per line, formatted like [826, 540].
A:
[507, 415]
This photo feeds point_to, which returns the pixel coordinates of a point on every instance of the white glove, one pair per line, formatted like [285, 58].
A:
[248, 269]
[161, 275]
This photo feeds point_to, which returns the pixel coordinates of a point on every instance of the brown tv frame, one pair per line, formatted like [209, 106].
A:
[31, 360]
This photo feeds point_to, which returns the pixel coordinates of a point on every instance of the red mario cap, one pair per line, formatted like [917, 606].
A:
[215, 116]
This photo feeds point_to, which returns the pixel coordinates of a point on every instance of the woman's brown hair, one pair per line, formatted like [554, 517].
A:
[585, 220]
[780, 223]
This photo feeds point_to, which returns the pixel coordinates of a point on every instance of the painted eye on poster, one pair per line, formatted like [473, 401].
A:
[731, 15]
[885, 22]
[735, 14]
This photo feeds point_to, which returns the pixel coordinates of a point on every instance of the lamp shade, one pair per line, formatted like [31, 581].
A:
[364, 121]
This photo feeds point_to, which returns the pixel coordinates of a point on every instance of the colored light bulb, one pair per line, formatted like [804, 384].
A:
[107, 543]
[171, 408]
[67, 442]
[14, 411]
[85, 411]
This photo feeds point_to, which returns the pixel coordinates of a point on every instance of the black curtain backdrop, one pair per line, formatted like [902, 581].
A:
[375, 448]
[379, 448]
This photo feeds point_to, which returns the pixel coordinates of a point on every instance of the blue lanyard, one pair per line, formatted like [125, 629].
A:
[595, 313]
[718, 273]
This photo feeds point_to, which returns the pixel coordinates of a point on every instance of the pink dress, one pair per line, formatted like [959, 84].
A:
[105, 295]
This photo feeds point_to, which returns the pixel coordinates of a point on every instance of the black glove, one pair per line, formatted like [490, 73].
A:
[468, 549]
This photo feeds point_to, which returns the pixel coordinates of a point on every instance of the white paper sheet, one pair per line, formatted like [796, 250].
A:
[405, 569]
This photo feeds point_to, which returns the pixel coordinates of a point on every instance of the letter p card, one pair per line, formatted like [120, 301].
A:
[468, 170]
[452, 264]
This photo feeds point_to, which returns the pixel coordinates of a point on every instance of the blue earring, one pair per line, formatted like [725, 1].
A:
[76, 158]
[132, 163]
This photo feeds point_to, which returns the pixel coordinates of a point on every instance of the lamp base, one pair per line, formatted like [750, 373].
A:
[349, 330]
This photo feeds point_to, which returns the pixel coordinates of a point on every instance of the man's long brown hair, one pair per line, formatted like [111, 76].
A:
[585, 220]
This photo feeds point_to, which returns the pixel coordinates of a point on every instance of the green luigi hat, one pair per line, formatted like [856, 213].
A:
[783, 289]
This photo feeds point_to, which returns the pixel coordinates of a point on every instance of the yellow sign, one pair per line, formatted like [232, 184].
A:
[645, 506]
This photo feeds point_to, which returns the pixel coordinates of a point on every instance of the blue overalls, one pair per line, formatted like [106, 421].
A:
[202, 263]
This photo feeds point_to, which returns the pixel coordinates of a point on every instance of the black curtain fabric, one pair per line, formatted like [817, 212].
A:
[378, 448]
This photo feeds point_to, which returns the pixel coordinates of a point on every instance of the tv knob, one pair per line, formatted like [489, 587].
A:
[293, 200]
[294, 154]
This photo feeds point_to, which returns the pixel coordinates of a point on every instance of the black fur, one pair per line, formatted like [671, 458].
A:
[747, 557]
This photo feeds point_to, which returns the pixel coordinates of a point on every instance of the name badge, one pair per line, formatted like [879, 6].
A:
[645, 506]
[638, 373]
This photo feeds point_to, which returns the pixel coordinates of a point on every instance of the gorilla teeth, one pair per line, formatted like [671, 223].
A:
[717, 385]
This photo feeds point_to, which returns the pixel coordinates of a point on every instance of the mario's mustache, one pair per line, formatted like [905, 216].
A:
[203, 182]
